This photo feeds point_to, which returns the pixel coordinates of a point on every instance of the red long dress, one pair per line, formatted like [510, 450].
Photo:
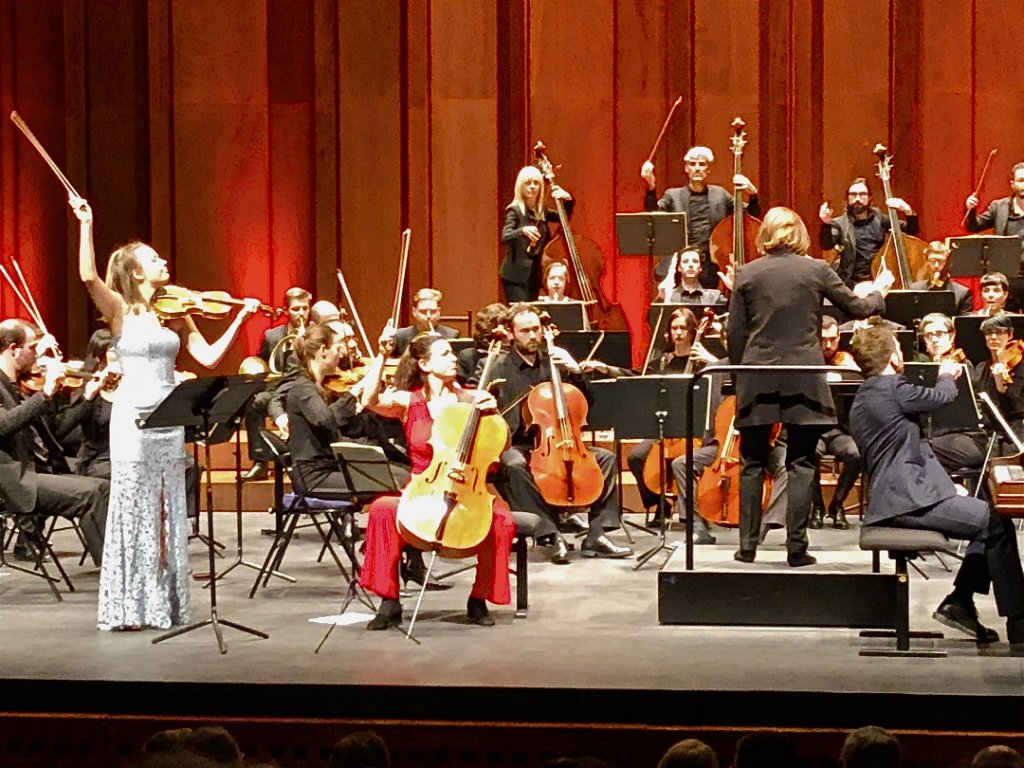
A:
[384, 543]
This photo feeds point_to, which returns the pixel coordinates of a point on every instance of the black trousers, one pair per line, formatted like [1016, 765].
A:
[517, 485]
[755, 451]
[255, 418]
[515, 292]
[841, 445]
[83, 499]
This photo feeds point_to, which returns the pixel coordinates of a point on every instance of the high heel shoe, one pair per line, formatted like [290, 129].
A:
[389, 614]
[417, 573]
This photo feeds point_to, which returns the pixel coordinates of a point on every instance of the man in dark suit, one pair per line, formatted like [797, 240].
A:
[35, 480]
[1004, 216]
[426, 316]
[705, 205]
[276, 355]
[910, 489]
[937, 260]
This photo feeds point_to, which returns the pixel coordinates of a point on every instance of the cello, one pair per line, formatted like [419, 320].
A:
[447, 508]
[901, 254]
[732, 239]
[587, 263]
[566, 472]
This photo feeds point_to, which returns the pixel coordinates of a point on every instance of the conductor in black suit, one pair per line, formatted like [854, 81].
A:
[910, 489]
[775, 319]
[426, 317]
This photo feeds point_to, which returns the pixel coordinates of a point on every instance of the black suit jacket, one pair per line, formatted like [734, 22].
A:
[18, 483]
[904, 474]
[994, 217]
[271, 338]
[522, 260]
[775, 319]
[839, 234]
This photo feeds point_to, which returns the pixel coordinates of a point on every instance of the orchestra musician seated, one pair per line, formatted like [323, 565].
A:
[35, 479]
[995, 290]
[682, 283]
[937, 264]
[426, 317]
[556, 282]
[910, 489]
[1001, 380]
[836, 441]
[274, 345]
[523, 367]
[484, 323]
[425, 385]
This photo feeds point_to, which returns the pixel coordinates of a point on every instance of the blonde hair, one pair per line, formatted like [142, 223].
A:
[121, 267]
[527, 173]
[782, 228]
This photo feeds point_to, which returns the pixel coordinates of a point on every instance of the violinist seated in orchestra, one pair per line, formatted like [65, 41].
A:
[956, 450]
[775, 319]
[836, 441]
[705, 206]
[35, 479]
[314, 423]
[425, 386]
[484, 323]
[426, 317]
[276, 344]
[1001, 378]
[556, 282]
[910, 489]
[1004, 216]
[526, 233]
[938, 279]
[995, 291]
[859, 233]
[523, 367]
[682, 283]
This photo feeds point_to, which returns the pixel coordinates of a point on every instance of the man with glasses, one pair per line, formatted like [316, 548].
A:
[936, 256]
[859, 233]
[705, 205]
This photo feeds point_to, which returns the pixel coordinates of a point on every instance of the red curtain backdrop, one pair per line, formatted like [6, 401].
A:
[260, 144]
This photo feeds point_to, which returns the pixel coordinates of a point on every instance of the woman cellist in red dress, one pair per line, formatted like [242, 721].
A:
[424, 386]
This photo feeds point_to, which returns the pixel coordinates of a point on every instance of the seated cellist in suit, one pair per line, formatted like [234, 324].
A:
[910, 489]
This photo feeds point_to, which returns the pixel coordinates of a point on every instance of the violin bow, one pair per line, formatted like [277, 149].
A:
[403, 264]
[23, 127]
[664, 127]
[355, 313]
[29, 296]
[981, 180]
[21, 297]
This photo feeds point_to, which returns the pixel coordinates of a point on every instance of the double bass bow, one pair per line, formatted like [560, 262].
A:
[566, 472]
[901, 254]
[447, 508]
[733, 239]
[587, 263]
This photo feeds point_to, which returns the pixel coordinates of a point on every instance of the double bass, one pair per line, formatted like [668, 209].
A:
[566, 472]
[901, 254]
[447, 508]
[733, 239]
[585, 261]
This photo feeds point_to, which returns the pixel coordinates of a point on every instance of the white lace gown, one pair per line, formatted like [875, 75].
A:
[144, 581]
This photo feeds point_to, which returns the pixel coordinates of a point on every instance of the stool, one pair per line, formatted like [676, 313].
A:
[903, 545]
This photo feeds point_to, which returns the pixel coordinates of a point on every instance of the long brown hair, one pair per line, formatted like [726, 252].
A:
[316, 338]
[409, 375]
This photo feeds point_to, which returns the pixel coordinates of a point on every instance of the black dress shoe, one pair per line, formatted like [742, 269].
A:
[560, 551]
[27, 554]
[800, 560]
[963, 617]
[839, 521]
[603, 547]
[416, 572]
[389, 614]
[477, 613]
[744, 555]
[816, 520]
[257, 471]
[573, 524]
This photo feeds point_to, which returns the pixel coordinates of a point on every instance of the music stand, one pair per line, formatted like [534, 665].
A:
[625, 405]
[368, 475]
[567, 315]
[974, 255]
[970, 339]
[904, 307]
[651, 234]
[959, 415]
[615, 348]
[204, 404]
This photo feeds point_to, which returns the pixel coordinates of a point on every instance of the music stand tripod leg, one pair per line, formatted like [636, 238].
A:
[662, 544]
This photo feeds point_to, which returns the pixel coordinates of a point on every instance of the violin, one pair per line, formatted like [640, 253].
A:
[32, 381]
[1010, 356]
[173, 302]
[566, 472]
[447, 508]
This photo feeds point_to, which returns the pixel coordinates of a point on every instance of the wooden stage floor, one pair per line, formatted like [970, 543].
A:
[591, 650]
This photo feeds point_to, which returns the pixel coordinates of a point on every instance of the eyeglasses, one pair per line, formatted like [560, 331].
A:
[935, 334]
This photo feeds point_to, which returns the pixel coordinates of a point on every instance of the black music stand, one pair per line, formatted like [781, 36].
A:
[368, 474]
[959, 415]
[615, 348]
[567, 315]
[904, 307]
[974, 255]
[652, 234]
[205, 405]
[970, 339]
[625, 405]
